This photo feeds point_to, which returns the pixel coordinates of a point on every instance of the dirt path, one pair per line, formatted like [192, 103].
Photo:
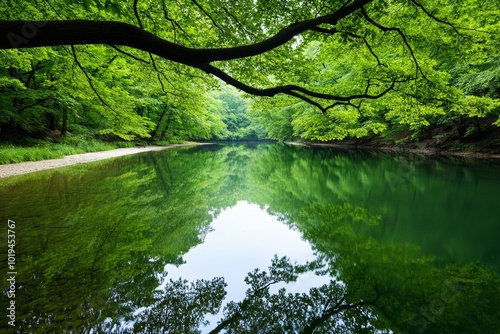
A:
[34, 166]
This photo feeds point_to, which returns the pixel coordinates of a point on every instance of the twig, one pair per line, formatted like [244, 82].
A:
[129, 54]
[89, 79]
[403, 37]
[209, 16]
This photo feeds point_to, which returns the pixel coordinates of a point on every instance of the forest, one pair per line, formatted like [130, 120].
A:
[408, 243]
[315, 71]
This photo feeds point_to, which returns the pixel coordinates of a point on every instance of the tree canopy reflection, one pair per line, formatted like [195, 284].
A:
[93, 255]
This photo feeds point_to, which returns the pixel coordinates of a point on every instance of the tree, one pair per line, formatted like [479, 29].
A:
[232, 108]
[344, 69]
[369, 22]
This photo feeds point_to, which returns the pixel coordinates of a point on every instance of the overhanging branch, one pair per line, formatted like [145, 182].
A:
[73, 32]
[299, 92]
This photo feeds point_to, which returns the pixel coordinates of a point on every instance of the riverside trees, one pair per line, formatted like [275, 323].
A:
[335, 69]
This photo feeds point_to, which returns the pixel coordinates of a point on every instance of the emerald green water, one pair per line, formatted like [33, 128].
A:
[165, 242]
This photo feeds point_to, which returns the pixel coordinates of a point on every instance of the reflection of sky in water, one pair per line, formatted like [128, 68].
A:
[245, 237]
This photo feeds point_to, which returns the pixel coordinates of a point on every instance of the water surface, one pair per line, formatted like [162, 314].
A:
[256, 238]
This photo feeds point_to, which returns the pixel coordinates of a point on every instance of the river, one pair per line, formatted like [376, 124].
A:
[253, 238]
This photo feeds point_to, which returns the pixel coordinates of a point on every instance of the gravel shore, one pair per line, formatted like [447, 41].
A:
[34, 166]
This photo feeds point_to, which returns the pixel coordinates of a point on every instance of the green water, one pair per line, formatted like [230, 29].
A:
[165, 242]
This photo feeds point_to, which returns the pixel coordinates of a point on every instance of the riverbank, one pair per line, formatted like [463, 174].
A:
[402, 149]
[479, 139]
[35, 166]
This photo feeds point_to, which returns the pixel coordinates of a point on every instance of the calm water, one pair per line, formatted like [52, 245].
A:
[254, 239]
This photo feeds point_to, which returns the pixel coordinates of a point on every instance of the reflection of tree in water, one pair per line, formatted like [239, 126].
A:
[336, 307]
[323, 309]
[378, 287]
[93, 259]
[405, 289]
[382, 288]
[181, 306]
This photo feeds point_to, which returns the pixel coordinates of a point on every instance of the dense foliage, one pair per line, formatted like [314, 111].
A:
[335, 69]
[109, 92]
[444, 73]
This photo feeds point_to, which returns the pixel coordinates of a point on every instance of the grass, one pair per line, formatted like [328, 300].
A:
[36, 150]
[43, 150]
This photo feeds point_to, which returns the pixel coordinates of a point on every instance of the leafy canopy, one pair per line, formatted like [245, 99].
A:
[340, 68]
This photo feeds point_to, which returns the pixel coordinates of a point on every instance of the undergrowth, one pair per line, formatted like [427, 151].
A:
[42, 150]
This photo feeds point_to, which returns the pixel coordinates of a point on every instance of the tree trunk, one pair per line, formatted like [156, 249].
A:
[157, 127]
[64, 127]
[52, 122]
[169, 119]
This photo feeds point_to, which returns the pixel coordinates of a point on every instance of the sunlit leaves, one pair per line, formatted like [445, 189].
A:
[398, 63]
[360, 58]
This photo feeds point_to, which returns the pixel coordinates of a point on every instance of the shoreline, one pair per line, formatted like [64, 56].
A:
[35, 166]
[426, 151]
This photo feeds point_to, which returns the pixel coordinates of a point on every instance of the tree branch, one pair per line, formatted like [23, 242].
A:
[158, 72]
[233, 318]
[37, 102]
[13, 34]
[208, 15]
[353, 35]
[129, 54]
[296, 91]
[237, 22]
[89, 79]
[73, 32]
[136, 13]
[419, 5]
[172, 21]
[403, 37]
